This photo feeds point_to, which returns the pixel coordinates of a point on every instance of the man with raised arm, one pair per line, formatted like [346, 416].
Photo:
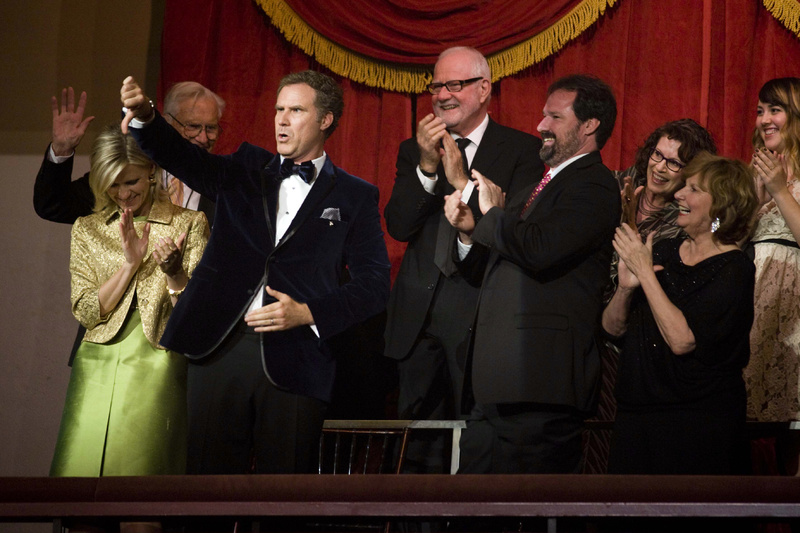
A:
[193, 110]
[271, 290]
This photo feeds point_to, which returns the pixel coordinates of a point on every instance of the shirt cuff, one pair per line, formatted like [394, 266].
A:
[135, 122]
[429, 184]
[51, 155]
[467, 192]
[463, 249]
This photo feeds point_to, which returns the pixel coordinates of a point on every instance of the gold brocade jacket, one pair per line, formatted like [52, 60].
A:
[96, 254]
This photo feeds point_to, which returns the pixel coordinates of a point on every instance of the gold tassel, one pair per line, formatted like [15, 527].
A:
[414, 79]
[787, 12]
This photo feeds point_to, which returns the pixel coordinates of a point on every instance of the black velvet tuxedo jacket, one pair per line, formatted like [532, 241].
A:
[508, 157]
[543, 275]
[59, 198]
[337, 227]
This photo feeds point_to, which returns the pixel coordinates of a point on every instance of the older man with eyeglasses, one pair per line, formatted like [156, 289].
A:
[193, 110]
[431, 305]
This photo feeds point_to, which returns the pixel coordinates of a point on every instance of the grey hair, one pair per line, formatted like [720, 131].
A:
[480, 67]
[190, 90]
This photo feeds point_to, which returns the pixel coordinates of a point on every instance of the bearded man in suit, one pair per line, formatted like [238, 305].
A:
[296, 256]
[430, 306]
[542, 261]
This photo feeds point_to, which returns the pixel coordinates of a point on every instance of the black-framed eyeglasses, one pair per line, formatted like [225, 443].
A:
[453, 86]
[193, 130]
[672, 164]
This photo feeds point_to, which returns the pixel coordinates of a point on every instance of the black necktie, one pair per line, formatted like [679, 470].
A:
[462, 145]
[305, 170]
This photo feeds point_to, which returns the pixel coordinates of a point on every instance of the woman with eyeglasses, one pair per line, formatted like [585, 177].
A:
[682, 314]
[647, 189]
[650, 184]
[125, 411]
[773, 375]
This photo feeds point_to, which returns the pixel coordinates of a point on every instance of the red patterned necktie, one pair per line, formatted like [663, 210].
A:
[545, 180]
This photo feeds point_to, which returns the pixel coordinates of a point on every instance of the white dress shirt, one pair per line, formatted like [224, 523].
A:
[291, 195]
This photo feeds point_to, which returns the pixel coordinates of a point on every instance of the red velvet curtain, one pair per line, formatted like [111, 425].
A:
[704, 59]
[415, 31]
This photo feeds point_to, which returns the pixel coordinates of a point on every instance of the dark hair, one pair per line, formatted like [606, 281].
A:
[593, 99]
[784, 92]
[733, 194]
[328, 99]
[693, 137]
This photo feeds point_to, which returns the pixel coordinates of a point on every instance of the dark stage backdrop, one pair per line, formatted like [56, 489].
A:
[703, 59]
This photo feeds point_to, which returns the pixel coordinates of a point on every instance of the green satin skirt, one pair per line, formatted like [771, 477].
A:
[125, 412]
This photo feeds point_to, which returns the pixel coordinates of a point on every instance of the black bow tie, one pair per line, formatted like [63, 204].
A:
[305, 170]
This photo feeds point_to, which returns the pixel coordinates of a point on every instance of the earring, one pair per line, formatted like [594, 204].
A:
[715, 225]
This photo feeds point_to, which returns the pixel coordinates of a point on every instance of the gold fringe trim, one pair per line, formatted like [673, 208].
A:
[544, 44]
[787, 12]
[414, 79]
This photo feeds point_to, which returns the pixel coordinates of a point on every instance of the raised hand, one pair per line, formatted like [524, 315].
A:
[630, 202]
[134, 99]
[133, 247]
[459, 215]
[771, 168]
[430, 131]
[637, 256]
[761, 190]
[168, 255]
[489, 194]
[69, 125]
[453, 162]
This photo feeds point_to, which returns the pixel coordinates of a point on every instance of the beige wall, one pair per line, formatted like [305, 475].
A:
[45, 45]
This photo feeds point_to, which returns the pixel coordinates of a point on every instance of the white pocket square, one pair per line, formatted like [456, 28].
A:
[331, 213]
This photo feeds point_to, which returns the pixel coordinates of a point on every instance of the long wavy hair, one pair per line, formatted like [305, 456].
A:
[784, 92]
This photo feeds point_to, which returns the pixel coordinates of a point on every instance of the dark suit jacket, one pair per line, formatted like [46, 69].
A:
[58, 198]
[307, 264]
[541, 295]
[506, 156]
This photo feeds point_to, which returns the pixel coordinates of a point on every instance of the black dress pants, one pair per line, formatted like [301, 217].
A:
[240, 422]
[521, 438]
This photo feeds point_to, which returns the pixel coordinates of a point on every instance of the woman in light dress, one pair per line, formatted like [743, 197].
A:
[773, 375]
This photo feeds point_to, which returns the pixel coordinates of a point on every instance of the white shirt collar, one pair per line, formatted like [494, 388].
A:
[477, 134]
[559, 168]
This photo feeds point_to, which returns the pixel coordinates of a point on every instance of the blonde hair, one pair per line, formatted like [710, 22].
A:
[111, 153]
[784, 92]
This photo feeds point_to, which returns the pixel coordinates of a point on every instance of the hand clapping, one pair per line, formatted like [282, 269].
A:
[133, 246]
[636, 258]
[168, 255]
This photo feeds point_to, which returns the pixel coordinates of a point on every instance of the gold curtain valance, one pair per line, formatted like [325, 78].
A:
[413, 78]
